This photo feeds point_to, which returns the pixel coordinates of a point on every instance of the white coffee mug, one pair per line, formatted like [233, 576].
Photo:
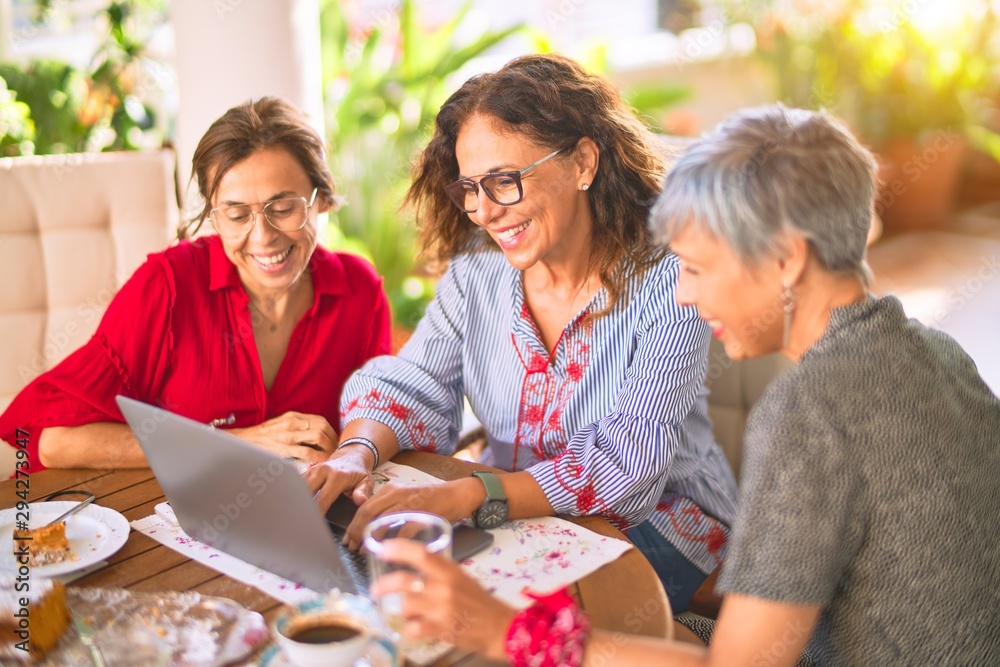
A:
[333, 630]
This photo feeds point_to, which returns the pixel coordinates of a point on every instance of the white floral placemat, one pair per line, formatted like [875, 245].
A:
[541, 554]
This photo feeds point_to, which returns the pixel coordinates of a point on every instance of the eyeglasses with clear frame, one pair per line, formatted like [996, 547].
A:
[502, 187]
[288, 214]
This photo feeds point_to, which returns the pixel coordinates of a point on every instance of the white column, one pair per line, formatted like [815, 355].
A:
[6, 24]
[229, 51]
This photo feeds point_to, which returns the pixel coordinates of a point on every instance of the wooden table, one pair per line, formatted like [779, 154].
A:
[624, 595]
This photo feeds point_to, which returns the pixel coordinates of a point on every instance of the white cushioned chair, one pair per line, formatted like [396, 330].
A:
[74, 228]
[734, 386]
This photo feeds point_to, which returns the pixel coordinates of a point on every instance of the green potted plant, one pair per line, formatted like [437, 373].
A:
[383, 88]
[385, 82]
[17, 131]
[915, 89]
[97, 107]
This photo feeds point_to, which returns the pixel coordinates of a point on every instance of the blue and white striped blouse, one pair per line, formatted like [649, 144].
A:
[613, 422]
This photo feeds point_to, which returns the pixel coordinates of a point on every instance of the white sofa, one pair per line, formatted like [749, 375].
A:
[73, 228]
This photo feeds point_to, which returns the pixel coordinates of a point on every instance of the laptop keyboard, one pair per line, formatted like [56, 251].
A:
[356, 564]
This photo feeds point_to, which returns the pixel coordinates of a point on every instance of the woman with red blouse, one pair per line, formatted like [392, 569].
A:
[255, 328]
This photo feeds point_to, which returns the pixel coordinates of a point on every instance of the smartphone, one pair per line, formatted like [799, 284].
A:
[465, 542]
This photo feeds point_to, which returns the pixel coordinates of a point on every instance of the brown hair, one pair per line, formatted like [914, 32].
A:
[553, 102]
[245, 129]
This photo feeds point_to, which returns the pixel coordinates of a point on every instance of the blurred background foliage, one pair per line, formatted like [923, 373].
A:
[892, 69]
[385, 77]
[384, 83]
[61, 108]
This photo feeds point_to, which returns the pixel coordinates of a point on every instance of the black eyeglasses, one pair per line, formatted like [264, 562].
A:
[502, 187]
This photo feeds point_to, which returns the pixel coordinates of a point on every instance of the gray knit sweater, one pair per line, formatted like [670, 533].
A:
[871, 487]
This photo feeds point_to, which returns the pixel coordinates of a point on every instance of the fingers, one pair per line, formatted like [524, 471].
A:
[363, 491]
[312, 430]
[440, 600]
[415, 555]
[400, 581]
[307, 452]
[371, 508]
[331, 478]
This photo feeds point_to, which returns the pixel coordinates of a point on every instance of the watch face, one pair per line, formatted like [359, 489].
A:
[492, 514]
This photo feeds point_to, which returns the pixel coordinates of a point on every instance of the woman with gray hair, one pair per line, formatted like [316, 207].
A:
[867, 514]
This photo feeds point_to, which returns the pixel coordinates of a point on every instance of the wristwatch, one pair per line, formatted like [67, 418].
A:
[494, 509]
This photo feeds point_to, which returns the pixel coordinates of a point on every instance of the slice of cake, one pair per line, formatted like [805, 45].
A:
[29, 631]
[46, 545]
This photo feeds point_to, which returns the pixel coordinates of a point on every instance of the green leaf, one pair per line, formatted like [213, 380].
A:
[985, 140]
[652, 98]
[457, 59]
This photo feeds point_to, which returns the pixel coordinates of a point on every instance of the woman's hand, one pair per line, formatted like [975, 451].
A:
[293, 434]
[443, 602]
[452, 500]
[348, 471]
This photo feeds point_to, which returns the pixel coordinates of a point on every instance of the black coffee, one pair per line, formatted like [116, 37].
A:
[324, 634]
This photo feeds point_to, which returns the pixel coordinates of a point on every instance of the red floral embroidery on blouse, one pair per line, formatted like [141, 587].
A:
[686, 517]
[586, 495]
[416, 429]
[544, 396]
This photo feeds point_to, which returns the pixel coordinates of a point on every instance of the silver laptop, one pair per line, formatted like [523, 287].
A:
[246, 501]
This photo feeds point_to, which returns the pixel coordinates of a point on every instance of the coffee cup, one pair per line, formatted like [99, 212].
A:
[333, 630]
[322, 638]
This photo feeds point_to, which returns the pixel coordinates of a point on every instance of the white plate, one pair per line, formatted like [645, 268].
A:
[95, 533]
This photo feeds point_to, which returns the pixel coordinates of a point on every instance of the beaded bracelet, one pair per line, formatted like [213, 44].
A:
[358, 440]
[552, 632]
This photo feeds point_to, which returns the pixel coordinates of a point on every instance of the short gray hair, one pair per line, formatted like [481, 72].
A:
[771, 169]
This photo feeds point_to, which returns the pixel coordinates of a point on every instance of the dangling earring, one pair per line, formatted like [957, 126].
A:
[585, 187]
[788, 305]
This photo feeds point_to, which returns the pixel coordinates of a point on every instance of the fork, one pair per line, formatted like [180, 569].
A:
[73, 510]
[87, 638]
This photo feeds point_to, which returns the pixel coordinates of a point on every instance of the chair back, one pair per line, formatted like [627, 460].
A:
[74, 227]
[734, 387]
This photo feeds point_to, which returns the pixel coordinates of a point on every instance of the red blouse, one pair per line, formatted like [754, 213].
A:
[178, 334]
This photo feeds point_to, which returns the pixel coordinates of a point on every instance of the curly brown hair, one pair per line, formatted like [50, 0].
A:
[242, 131]
[553, 102]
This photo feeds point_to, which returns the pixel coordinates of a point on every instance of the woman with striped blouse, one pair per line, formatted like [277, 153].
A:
[556, 320]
